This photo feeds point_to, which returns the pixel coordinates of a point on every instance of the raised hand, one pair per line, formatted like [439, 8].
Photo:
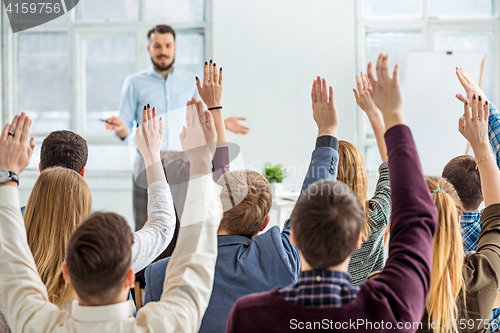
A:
[474, 125]
[324, 111]
[197, 137]
[367, 104]
[149, 136]
[363, 97]
[386, 92]
[211, 89]
[16, 147]
[469, 85]
[234, 126]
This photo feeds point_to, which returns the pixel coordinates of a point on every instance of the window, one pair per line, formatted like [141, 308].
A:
[68, 73]
[399, 27]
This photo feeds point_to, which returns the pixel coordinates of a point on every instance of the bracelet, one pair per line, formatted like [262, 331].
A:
[484, 158]
[215, 108]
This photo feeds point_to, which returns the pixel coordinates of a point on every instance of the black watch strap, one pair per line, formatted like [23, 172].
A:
[14, 177]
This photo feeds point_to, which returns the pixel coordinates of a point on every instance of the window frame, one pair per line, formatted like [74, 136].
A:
[77, 31]
[428, 26]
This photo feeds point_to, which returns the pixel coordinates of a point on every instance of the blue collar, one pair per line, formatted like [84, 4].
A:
[233, 240]
[151, 71]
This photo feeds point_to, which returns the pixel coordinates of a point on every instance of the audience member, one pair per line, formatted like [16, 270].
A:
[464, 289]
[352, 171]
[98, 258]
[247, 262]
[327, 226]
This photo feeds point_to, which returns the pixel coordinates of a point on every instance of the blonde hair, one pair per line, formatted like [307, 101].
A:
[59, 202]
[447, 257]
[246, 199]
[352, 171]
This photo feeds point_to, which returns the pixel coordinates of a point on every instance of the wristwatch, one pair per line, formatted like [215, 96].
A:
[6, 175]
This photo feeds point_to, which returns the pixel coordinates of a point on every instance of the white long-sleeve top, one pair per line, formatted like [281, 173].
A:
[188, 279]
[157, 232]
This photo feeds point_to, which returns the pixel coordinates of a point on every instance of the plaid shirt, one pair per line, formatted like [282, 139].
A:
[471, 228]
[321, 289]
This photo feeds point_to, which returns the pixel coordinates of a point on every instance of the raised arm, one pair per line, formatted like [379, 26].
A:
[190, 272]
[22, 293]
[406, 277]
[367, 104]
[157, 232]
[324, 160]
[494, 117]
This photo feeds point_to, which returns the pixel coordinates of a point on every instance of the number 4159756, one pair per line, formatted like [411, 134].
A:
[33, 8]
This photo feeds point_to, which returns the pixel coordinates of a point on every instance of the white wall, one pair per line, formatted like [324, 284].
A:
[271, 51]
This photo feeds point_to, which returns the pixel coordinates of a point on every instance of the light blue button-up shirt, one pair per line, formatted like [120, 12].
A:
[168, 96]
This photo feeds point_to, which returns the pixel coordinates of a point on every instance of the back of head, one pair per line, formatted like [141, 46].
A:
[463, 174]
[59, 202]
[65, 149]
[447, 258]
[99, 257]
[326, 222]
[246, 200]
[352, 171]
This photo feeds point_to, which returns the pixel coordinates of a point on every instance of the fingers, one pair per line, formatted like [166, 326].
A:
[144, 115]
[198, 85]
[161, 128]
[201, 115]
[209, 120]
[182, 136]
[220, 77]
[330, 98]
[371, 76]
[189, 115]
[241, 118]
[155, 120]
[150, 113]
[356, 95]
[461, 98]
[5, 133]
[480, 108]
[324, 91]
[211, 70]
[20, 125]
[473, 105]
[467, 113]
[314, 97]
[318, 89]
[385, 68]
[246, 129]
[486, 111]
[463, 81]
[378, 68]
[215, 72]
[206, 73]
[395, 73]
[461, 124]
[359, 84]
[366, 83]
[13, 125]
[466, 76]
[25, 134]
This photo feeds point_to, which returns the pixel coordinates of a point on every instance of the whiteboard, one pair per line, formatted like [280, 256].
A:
[431, 108]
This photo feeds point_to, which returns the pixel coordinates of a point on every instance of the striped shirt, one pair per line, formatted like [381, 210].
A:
[370, 257]
[321, 289]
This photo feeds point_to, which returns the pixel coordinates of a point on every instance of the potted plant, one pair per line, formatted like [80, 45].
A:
[275, 175]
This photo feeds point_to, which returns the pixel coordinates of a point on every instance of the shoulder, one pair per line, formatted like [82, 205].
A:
[132, 78]
[479, 273]
[258, 300]
[157, 269]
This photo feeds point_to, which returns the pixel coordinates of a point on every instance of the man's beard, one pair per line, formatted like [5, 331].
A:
[161, 68]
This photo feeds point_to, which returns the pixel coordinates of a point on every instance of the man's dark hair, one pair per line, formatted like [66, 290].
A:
[98, 257]
[64, 149]
[462, 173]
[161, 29]
[326, 222]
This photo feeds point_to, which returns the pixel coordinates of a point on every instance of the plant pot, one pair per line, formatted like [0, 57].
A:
[277, 189]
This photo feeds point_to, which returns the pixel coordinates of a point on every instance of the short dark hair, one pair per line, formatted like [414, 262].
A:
[64, 149]
[326, 222]
[98, 257]
[161, 29]
[462, 173]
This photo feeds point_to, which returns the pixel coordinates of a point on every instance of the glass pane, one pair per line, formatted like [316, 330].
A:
[175, 10]
[397, 44]
[109, 157]
[463, 41]
[110, 10]
[382, 9]
[43, 80]
[190, 53]
[108, 61]
[453, 9]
